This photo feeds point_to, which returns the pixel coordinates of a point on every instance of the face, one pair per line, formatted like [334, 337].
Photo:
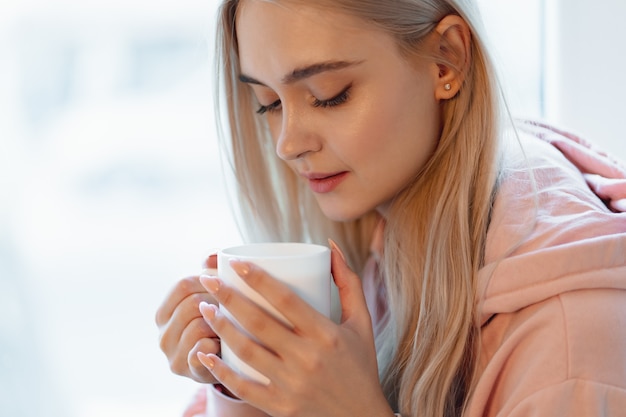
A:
[347, 112]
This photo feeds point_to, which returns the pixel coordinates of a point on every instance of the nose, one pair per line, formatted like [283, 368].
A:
[297, 137]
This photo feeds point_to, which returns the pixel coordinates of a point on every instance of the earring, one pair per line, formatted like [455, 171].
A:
[447, 87]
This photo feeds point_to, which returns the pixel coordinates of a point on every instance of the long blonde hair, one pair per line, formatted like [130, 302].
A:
[435, 232]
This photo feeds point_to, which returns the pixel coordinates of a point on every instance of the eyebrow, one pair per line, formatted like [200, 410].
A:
[304, 72]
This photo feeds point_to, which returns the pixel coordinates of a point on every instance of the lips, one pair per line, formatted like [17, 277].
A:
[325, 183]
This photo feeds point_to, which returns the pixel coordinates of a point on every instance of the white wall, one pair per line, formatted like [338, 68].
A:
[584, 68]
[110, 192]
[514, 34]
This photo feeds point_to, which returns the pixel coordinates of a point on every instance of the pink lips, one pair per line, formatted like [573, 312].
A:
[325, 183]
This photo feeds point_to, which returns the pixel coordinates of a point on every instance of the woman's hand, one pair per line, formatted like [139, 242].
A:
[316, 367]
[604, 174]
[183, 331]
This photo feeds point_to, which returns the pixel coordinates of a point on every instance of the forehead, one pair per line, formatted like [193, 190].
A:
[294, 12]
[275, 37]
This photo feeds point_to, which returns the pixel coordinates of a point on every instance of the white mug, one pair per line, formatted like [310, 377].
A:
[304, 267]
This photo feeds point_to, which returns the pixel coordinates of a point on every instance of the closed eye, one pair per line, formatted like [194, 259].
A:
[340, 98]
[269, 108]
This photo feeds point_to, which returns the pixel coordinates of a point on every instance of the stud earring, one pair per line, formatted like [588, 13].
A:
[447, 87]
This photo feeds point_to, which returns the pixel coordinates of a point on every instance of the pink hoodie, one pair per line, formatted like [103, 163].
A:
[551, 297]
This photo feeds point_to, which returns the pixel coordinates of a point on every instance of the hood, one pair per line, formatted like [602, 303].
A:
[549, 233]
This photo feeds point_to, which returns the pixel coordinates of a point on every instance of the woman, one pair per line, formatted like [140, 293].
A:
[500, 290]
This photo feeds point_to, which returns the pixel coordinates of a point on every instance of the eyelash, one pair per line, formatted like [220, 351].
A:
[339, 99]
[269, 108]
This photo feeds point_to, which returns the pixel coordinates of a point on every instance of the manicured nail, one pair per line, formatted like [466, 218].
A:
[334, 246]
[206, 360]
[211, 253]
[211, 284]
[241, 268]
[207, 310]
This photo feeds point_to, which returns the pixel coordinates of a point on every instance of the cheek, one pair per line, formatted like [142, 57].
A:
[364, 130]
[397, 137]
[378, 129]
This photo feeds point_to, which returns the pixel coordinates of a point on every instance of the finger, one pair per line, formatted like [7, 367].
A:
[177, 346]
[607, 188]
[183, 289]
[182, 318]
[619, 205]
[297, 312]
[351, 296]
[590, 161]
[581, 152]
[247, 389]
[254, 319]
[210, 262]
[242, 345]
[198, 371]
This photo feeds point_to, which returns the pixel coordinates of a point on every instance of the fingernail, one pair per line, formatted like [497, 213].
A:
[206, 360]
[207, 310]
[212, 252]
[211, 284]
[334, 246]
[241, 268]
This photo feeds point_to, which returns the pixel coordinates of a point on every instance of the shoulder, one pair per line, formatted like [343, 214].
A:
[568, 349]
[548, 234]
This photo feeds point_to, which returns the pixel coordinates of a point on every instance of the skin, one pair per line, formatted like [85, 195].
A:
[378, 136]
[316, 368]
[380, 133]
[183, 331]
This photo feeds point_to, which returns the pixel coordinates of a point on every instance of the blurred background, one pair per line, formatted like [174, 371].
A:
[110, 185]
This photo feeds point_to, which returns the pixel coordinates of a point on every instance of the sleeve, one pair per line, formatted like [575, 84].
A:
[211, 402]
[565, 356]
[221, 405]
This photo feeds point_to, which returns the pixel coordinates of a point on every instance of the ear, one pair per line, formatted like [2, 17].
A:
[453, 55]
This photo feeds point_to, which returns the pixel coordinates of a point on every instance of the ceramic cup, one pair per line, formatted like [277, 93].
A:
[304, 267]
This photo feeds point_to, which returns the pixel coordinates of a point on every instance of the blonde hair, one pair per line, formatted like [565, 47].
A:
[435, 232]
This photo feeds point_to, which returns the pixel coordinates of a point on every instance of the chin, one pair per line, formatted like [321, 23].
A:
[343, 214]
